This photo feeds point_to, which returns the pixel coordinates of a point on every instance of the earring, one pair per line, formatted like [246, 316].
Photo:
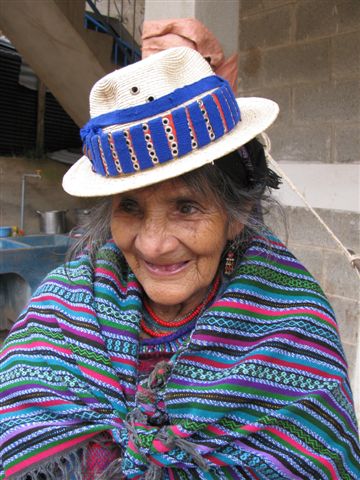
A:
[229, 266]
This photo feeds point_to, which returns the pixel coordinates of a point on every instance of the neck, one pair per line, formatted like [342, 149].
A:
[175, 316]
[173, 312]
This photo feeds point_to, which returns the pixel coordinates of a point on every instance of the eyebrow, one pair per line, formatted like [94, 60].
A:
[183, 196]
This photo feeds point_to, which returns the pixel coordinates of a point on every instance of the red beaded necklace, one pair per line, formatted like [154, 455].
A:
[182, 321]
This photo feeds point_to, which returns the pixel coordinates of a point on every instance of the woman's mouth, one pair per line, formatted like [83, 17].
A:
[170, 268]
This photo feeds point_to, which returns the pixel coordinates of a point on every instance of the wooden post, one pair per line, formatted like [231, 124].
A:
[40, 121]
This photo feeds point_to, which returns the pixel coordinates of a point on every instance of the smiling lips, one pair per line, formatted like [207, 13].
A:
[170, 268]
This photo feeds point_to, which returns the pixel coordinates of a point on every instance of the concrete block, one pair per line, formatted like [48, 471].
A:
[251, 69]
[328, 102]
[346, 54]
[347, 144]
[321, 18]
[294, 64]
[340, 277]
[300, 143]
[267, 29]
[345, 225]
[280, 95]
[251, 7]
[347, 313]
[304, 228]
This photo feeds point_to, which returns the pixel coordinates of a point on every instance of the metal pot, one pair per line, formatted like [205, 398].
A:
[53, 221]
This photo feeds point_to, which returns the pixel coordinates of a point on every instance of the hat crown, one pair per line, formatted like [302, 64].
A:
[150, 79]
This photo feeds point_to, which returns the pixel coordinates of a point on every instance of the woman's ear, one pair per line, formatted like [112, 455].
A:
[234, 230]
[237, 226]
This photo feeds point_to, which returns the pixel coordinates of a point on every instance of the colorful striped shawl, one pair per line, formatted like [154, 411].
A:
[260, 392]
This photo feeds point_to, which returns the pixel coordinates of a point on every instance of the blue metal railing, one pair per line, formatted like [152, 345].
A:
[123, 53]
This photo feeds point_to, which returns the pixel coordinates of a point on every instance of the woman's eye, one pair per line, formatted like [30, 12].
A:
[187, 208]
[128, 206]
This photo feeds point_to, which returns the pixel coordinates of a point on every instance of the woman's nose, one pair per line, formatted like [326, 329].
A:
[155, 238]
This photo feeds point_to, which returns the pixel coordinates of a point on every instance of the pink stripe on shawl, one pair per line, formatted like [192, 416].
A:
[115, 279]
[76, 308]
[31, 345]
[100, 377]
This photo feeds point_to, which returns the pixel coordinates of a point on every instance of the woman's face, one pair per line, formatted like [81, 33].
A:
[172, 239]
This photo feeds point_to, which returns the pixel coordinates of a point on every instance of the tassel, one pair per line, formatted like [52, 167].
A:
[154, 472]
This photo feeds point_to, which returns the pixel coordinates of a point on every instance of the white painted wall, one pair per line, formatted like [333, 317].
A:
[329, 186]
[220, 17]
[160, 9]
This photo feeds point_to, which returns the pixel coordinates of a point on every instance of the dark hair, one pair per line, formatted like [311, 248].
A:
[240, 188]
[248, 167]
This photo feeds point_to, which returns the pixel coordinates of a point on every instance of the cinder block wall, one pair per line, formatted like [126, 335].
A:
[305, 55]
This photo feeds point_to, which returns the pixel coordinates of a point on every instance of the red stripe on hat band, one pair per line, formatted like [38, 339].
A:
[216, 100]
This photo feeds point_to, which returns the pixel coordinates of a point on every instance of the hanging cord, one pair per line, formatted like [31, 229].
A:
[354, 258]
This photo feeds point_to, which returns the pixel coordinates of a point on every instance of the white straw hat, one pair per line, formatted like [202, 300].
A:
[160, 118]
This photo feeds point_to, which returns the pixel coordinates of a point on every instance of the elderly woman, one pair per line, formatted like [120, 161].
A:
[182, 340]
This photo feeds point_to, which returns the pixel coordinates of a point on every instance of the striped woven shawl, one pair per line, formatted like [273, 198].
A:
[260, 392]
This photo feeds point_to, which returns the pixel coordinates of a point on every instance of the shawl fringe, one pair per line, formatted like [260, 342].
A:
[67, 466]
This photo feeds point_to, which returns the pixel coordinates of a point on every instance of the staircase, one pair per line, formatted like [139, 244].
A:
[67, 58]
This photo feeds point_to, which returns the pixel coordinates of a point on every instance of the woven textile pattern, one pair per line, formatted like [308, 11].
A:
[260, 392]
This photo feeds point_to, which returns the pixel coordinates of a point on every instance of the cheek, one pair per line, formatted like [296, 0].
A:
[121, 233]
[211, 240]
[114, 227]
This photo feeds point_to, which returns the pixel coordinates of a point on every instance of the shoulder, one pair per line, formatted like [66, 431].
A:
[279, 289]
[270, 264]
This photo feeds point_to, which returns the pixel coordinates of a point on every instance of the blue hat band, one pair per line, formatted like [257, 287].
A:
[171, 134]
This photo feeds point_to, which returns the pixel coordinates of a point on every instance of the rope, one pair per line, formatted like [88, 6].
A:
[354, 258]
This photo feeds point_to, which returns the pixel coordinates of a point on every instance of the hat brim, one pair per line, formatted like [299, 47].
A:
[257, 114]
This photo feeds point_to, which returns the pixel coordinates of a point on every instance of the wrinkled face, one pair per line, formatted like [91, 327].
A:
[172, 239]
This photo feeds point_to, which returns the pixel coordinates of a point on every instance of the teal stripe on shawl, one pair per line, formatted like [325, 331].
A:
[240, 399]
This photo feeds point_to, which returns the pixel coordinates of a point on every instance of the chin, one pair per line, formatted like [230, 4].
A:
[167, 299]
[165, 295]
